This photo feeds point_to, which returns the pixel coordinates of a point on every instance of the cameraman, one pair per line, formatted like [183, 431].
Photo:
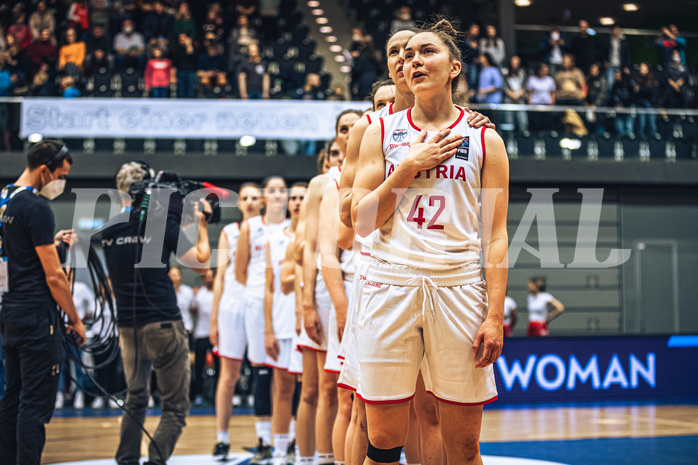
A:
[30, 324]
[151, 332]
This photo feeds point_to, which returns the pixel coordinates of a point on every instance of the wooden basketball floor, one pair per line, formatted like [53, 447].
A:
[88, 438]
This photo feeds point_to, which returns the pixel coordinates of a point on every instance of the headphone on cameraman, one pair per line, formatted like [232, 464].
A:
[57, 159]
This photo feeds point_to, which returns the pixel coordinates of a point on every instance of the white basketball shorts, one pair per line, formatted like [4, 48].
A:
[283, 361]
[232, 338]
[409, 316]
[323, 304]
[333, 364]
[254, 330]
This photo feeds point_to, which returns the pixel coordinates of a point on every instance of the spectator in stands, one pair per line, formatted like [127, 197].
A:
[552, 46]
[15, 57]
[158, 75]
[540, 90]
[585, 47]
[312, 90]
[645, 87]
[201, 308]
[79, 18]
[677, 92]
[246, 7]
[337, 94]
[158, 23]
[42, 82]
[622, 96]
[570, 83]
[403, 20]
[597, 87]
[129, 47]
[184, 23]
[42, 50]
[20, 31]
[122, 10]
[68, 87]
[97, 60]
[366, 68]
[359, 38]
[42, 18]
[617, 54]
[99, 13]
[269, 11]
[490, 84]
[212, 69]
[5, 79]
[669, 40]
[470, 48]
[71, 56]
[515, 92]
[185, 59]
[494, 46]
[253, 79]
[213, 25]
[98, 40]
[243, 35]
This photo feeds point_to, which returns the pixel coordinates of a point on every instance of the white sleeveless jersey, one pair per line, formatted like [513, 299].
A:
[230, 284]
[437, 223]
[284, 306]
[333, 177]
[509, 305]
[376, 115]
[256, 269]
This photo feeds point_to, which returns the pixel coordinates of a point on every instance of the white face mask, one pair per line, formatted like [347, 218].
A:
[53, 189]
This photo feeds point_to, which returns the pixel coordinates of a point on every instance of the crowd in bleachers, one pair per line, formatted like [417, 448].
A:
[582, 69]
[159, 48]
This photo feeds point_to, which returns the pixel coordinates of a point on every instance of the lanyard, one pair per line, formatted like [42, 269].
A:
[4, 201]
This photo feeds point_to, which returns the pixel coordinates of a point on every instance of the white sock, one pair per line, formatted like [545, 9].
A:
[292, 430]
[280, 445]
[263, 429]
[337, 462]
[324, 458]
[223, 437]
[305, 460]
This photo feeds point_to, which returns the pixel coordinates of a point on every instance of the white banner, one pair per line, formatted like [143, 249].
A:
[182, 119]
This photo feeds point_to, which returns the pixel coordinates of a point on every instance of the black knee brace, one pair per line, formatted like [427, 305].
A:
[262, 391]
[383, 455]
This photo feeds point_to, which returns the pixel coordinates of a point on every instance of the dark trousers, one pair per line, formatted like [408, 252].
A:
[202, 347]
[32, 345]
[186, 84]
[162, 346]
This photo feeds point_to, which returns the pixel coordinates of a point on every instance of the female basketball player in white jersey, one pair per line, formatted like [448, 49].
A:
[423, 300]
[280, 325]
[538, 302]
[425, 407]
[250, 270]
[228, 315]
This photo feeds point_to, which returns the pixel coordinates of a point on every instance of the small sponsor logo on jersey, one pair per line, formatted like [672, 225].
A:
[259, 248]
[373, 284]
[399, 135]
[362, 277]
[464, 149]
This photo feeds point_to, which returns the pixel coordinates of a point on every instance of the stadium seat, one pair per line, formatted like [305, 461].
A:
[102, 83]
[314, 64]
[131, 85]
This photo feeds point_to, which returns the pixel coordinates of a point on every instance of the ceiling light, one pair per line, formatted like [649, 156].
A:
[339, 58]
[335, 48]
[606, 21]
[313, 4]
[331, 39]
[630, 7]
[322, 20]
[345, 69]
[326, 29]
[522, 2]
[318, 12]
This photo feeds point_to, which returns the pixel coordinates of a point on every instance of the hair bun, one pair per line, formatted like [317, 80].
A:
[445, 26]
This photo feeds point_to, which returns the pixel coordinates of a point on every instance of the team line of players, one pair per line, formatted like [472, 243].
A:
[304, 296]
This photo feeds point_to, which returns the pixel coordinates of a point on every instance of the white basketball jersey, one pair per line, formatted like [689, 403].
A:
[256, 270]
[378, 114]
[509, 305]
[230, 284]
[437, 223]
[284, 305]
[333, 177]
[538, 307]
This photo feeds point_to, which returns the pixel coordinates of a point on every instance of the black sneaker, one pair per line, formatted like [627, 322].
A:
[291, 453]
[221, 451]
[262, 456]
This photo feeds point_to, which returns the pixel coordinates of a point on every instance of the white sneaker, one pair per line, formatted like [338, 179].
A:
[113, 404]
[60, 399]
[236, 401]
[79, 400]
[98, 403]
[151, 402]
